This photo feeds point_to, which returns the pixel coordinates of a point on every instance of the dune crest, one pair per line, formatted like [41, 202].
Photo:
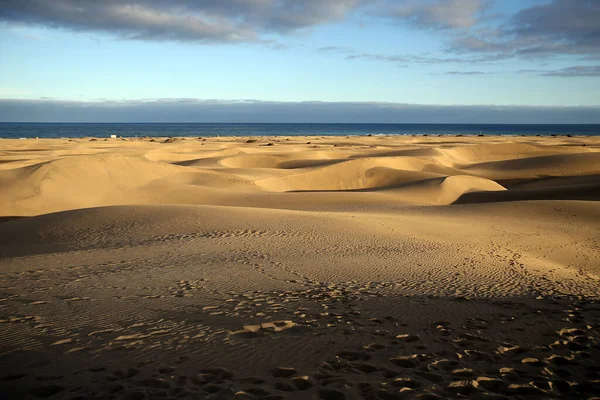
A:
[455, 186]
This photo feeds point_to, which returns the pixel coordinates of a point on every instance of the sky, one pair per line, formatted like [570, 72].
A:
[313, 60]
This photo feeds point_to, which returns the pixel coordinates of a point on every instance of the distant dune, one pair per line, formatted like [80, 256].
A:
[300, 267]
[44, 176]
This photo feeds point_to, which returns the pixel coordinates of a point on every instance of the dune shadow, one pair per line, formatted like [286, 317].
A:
[586, 192]
[10, 218]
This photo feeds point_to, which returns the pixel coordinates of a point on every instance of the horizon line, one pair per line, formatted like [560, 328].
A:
[296, 123]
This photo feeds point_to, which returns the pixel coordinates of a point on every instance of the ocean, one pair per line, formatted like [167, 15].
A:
[78, 130]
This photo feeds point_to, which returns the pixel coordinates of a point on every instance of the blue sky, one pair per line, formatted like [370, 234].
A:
[436, 52]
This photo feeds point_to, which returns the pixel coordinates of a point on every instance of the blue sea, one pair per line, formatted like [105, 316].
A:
[77, 130]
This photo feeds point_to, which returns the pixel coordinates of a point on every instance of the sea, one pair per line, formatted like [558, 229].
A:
[103, 130]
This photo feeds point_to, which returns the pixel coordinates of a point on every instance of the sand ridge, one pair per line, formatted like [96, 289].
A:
[319, 267]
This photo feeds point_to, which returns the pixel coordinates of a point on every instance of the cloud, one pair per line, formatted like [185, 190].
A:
[545, 29]
[554, 28]
[417, 59]
[228, 21]
[193, 110]
[403, 59]
[575, 71]
[440, 14]
[569, 72]
[465, 73]
[335, 49]
[352, 54]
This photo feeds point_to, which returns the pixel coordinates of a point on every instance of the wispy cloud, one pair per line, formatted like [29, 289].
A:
[194, 110]
[335, 49]
[352, 54]
[419, 59]
[569, 72]
[466, 73]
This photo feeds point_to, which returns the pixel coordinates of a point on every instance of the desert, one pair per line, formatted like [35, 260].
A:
[347, 267]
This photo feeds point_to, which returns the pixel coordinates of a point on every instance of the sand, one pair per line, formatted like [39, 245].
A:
[301, 267]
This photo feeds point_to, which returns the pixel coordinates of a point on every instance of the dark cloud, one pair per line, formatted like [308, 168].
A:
[554, 28]
[192, 110]
[180, 20]
[228, 20]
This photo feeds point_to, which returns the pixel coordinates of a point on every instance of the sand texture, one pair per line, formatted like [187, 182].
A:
[301, 268]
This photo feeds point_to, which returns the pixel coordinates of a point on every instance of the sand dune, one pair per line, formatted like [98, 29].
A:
[275, 268]
[363, 173]
[456, 186]
[40, 177]
[78, 182]
[540, 166]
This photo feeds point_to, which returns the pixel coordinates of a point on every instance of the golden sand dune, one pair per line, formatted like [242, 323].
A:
[78, 181]
[453, 187]
[38, 177]
[509, 150]
[326, 268]
[356, 174]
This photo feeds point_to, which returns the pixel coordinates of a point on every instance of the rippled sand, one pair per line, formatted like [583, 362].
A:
[374, 267]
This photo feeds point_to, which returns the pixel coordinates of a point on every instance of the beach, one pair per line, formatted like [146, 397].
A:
[374, 267]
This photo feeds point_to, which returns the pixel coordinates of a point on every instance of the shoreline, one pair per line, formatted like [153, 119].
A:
[190, 137]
